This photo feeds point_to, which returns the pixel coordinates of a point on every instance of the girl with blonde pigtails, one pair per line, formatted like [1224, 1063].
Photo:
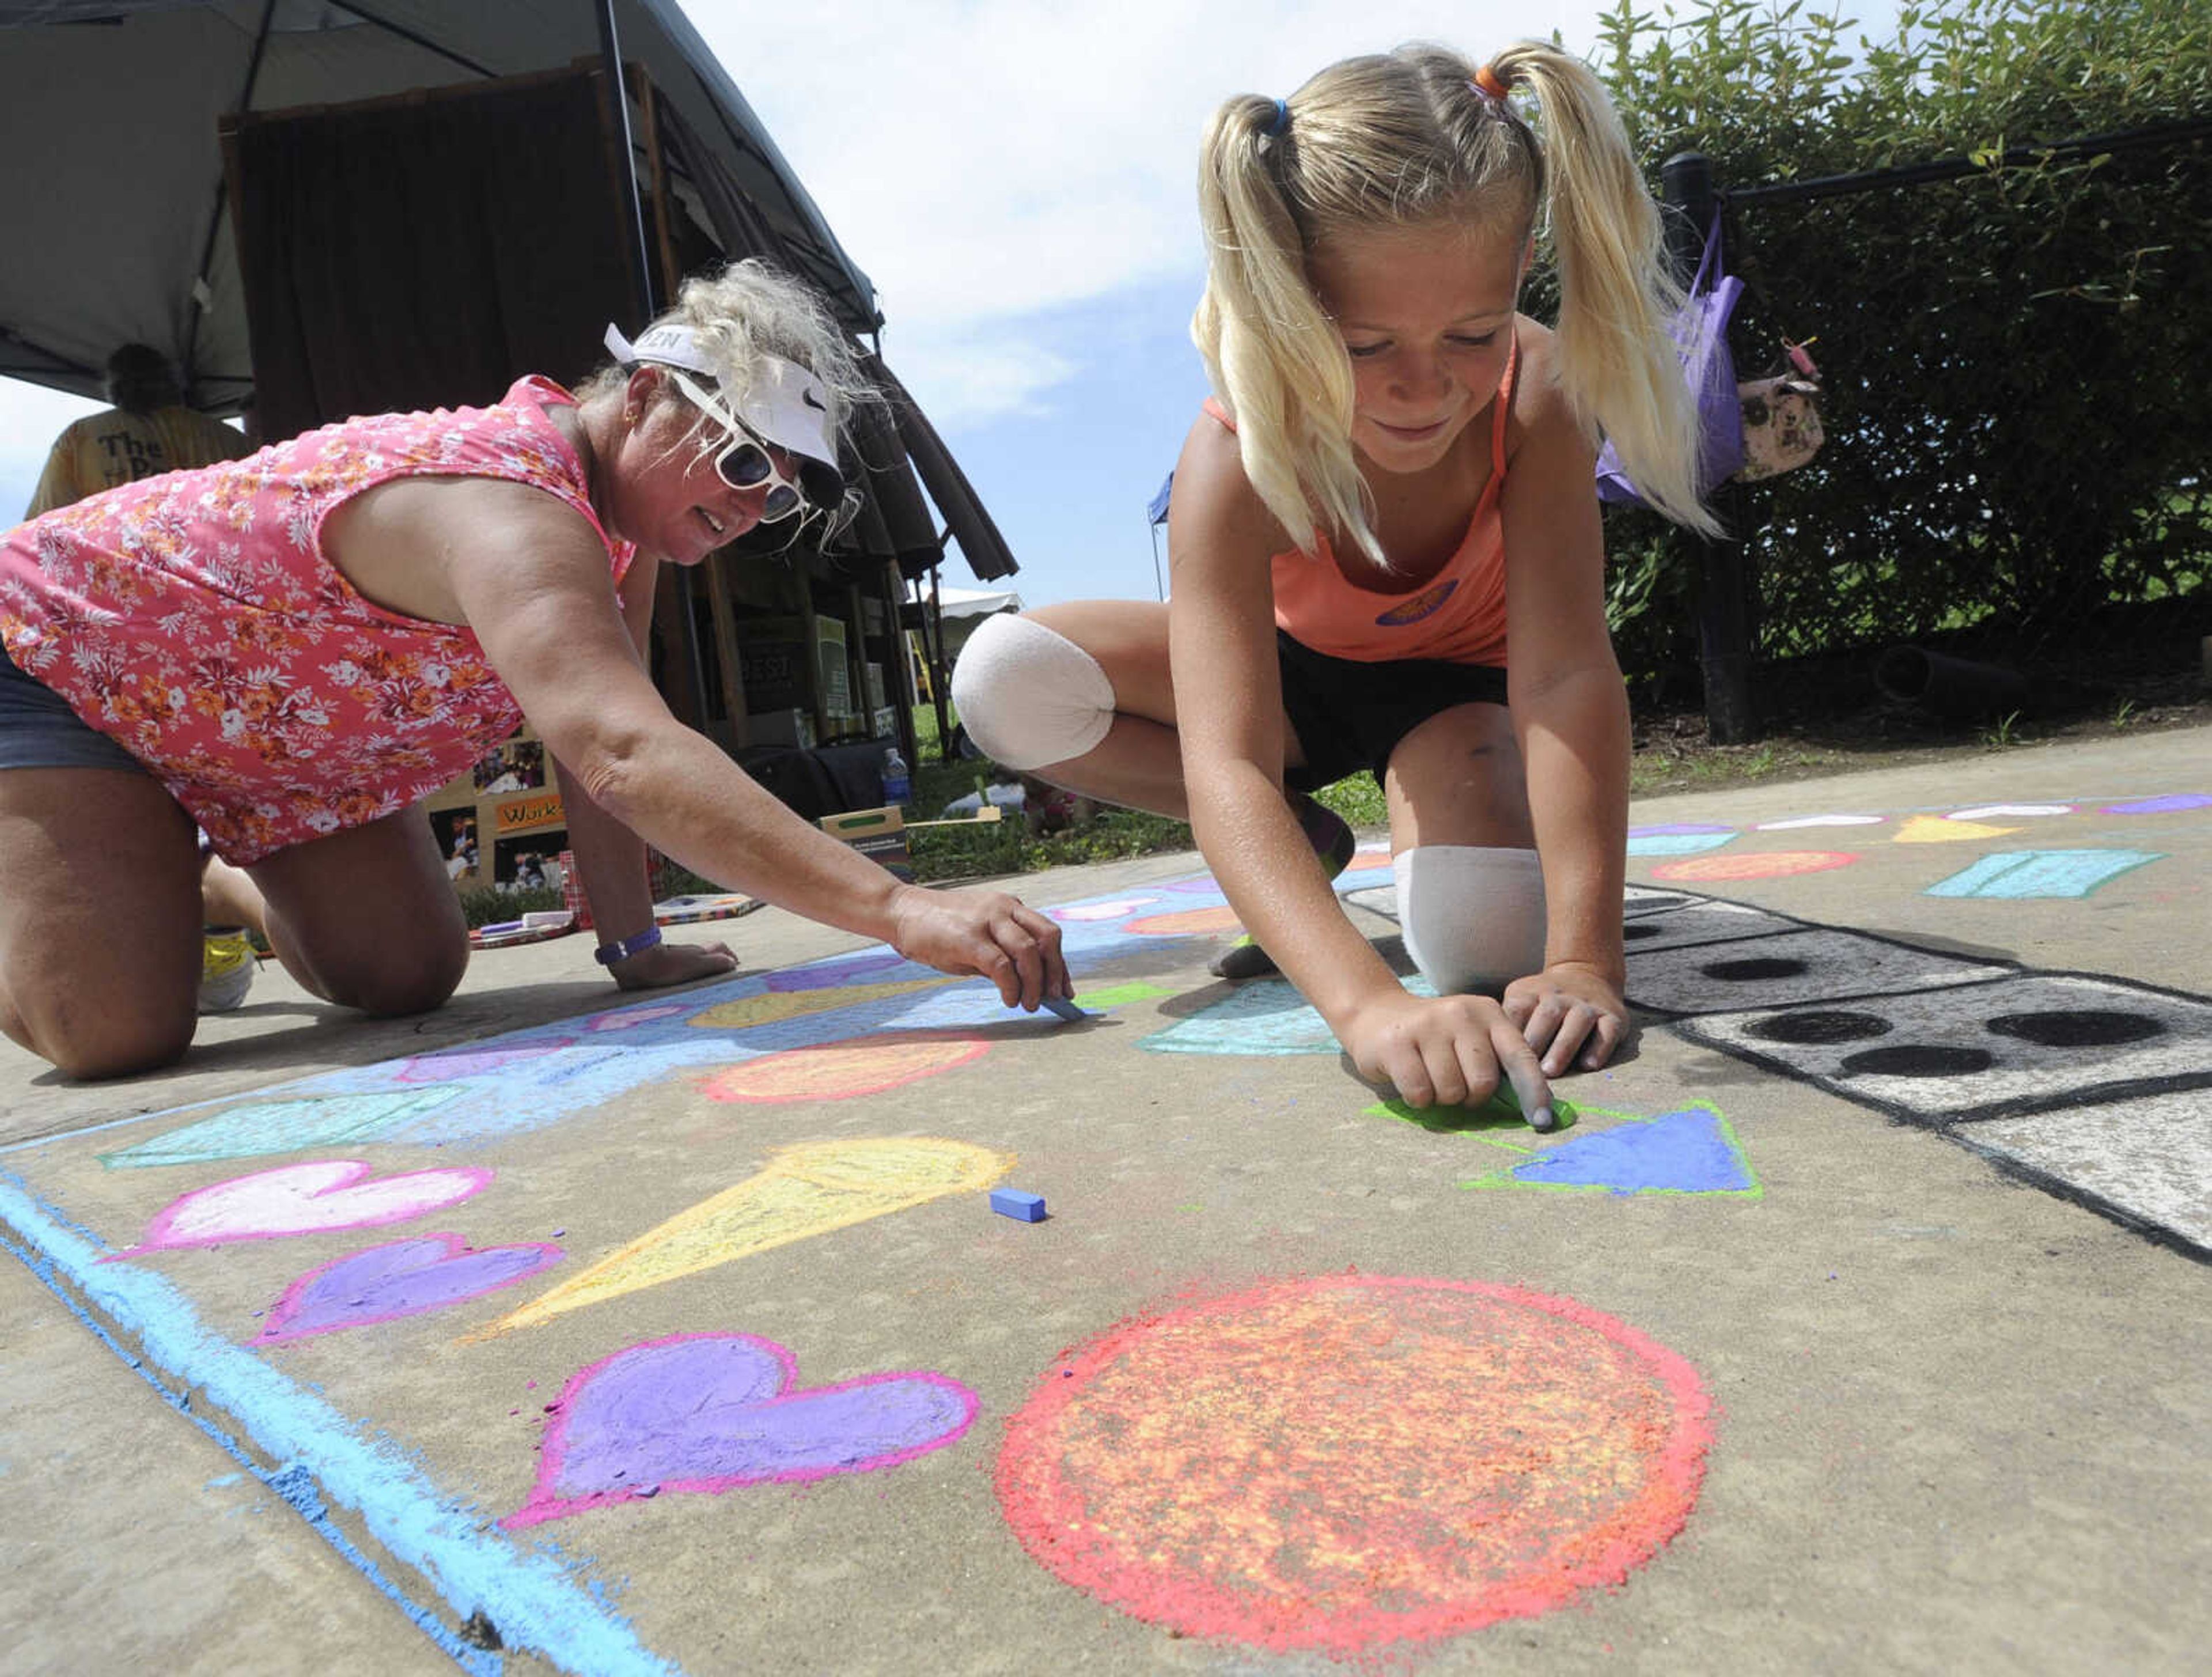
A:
[1393, 487]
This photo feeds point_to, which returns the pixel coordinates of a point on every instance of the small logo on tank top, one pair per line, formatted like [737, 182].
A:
[1426, 603]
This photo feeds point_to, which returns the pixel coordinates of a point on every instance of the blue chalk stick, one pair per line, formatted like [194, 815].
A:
[1021, 1207]
[1065, 1008]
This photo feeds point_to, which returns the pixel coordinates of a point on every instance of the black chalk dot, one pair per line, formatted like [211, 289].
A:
[1916, 1059]
[2092, 1028]
[1819, 1027]
[1745, 972]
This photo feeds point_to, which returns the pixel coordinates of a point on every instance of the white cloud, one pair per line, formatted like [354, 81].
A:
[985, 161]
[974, 374]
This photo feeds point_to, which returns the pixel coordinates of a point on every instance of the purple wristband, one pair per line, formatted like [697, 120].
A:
[607, 954]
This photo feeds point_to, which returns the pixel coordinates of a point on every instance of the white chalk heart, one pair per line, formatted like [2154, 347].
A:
[303, 1200]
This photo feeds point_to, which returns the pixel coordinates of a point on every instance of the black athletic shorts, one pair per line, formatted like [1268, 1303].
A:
[1349, 715]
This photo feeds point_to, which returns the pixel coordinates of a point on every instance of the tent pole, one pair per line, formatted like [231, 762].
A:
[640, 266]
[214, 217]
[640, 274]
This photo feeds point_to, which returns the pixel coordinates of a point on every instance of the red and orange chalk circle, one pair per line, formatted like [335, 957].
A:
[1754, 865]
[1344, 1462]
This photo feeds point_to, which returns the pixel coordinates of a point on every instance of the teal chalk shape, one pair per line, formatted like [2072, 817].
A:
[2029, 873]
[1691, 1150]
[1266, 1017]
[1676, 844]
[282, 1126]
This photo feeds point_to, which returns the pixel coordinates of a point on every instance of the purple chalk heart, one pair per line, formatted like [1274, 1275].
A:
[708, 1411]
[401, 1277]
[827, 975]
[471, 1062]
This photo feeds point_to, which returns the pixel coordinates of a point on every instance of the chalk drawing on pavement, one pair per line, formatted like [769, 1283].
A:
[1186, 922]
[280, 1127]
[774, 1006]
[1694, 1150]
[810, 1188]
[1113, 909]
[1484, 1121]
[1346, 1462]
[1945, 830]
[1267, 1016]
[1796, 822]
[1676, 844]
[1755, 865]
[401, 1277]
[842, 1071]
[2009, 811]
[2042, 873]
[313, 1199]
[707, 1412]
[2169, 803]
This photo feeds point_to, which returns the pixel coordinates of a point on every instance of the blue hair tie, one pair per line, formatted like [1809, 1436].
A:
[1281, 122]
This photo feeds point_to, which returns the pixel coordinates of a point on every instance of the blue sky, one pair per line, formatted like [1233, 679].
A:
[1016, 177]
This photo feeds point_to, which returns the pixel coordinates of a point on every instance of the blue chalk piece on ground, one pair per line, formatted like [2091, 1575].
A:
[1065, 1008]
[1021, 1207]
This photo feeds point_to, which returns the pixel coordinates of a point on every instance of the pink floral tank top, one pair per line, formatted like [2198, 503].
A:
[194, 619]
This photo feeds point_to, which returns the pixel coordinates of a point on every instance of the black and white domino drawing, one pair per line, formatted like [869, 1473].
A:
[2095, 1088]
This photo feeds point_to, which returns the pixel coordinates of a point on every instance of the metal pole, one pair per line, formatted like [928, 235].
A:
[1724, 598]
[640, 265]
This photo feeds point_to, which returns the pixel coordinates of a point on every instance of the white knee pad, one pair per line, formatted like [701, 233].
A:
[1472, 917]
[1029, 696]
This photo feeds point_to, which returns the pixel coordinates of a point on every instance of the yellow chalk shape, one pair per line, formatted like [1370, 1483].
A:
[807, 1189]
[774, 1006]
[1942, 829]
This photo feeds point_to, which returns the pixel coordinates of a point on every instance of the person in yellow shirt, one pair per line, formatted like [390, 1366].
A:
[148, 431]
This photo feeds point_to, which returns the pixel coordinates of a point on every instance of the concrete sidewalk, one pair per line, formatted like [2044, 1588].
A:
[1855, 1325]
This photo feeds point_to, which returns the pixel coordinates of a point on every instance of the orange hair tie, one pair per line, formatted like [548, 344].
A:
[1485, 81]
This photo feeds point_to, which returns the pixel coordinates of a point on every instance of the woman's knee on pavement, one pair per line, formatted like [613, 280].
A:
[98, 1030]
[1029, 696]
[393, 976]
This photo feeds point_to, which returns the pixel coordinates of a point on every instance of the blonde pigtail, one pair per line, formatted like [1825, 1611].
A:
[1271, 353]
[1617, 364]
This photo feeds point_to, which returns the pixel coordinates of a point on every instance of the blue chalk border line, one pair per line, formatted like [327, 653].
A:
[529, 1598]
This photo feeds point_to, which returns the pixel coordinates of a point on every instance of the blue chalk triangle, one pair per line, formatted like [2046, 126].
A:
[1689, 1151]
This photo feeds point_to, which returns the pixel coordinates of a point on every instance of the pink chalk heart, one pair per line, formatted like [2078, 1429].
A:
[475, 1062]
[310, 1199]
[708, 1411]
[401, 1277]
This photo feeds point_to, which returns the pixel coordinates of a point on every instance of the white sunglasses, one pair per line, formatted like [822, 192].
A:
[744, 461]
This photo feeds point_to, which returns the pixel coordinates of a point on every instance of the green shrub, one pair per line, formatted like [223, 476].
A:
[2015, 439]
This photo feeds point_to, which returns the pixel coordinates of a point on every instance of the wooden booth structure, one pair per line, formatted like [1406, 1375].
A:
[412, 207]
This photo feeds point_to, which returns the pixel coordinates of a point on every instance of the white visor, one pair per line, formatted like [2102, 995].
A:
[787, 404]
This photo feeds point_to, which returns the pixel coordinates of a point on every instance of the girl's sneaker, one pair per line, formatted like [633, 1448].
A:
[1333, 841]
[227, 966]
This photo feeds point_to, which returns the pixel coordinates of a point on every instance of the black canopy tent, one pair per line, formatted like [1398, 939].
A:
[153, 141]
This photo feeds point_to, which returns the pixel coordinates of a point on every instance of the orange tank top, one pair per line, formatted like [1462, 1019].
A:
[1458, 614]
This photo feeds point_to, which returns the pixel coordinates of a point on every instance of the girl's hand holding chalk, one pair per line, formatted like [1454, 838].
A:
[1446, 1051]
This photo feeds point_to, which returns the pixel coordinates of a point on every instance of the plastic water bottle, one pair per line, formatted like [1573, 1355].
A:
[898, 784]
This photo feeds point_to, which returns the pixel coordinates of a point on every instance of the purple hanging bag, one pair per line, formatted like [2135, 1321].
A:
[1700, 335]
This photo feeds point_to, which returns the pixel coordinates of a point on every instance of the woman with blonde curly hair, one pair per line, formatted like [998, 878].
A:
[1393, 485]
[293, 650]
